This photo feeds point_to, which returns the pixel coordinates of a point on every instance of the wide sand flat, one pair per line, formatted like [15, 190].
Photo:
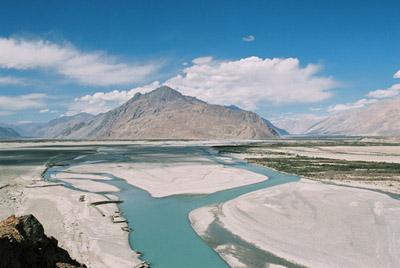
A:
[162, 180]
[314, 224]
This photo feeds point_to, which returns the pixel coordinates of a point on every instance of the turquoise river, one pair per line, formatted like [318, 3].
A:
[161, 228]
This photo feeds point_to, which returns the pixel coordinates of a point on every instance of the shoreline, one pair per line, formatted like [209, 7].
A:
[163, 180]
[324, 215]
[88, 236]
[390, 187]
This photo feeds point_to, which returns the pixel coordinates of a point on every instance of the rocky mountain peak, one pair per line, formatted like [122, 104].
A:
[165, 113]
[164, 93]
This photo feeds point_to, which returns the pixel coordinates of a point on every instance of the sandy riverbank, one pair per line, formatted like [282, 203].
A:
[364, 166]
[12, 182]
[314, 224]
[80, 228]
[167, 179]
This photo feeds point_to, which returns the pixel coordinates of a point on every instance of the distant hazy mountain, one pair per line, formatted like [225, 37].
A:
[297, 124]
[280, 131]
[378, 119]
[165, 113]
[26, 129]
[62, 126]
[8, 133]
[54, 128]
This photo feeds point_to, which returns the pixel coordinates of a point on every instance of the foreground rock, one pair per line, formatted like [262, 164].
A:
[24, 244]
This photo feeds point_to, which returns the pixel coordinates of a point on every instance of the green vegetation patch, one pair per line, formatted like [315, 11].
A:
[330, 168]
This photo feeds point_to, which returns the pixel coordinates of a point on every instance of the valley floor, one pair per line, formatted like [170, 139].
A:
[88, 232]
[306, 222]
[352, 162]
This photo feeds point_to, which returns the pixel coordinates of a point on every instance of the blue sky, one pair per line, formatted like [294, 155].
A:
[355, 45]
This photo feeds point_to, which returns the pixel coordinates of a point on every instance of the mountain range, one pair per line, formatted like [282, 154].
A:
[381, 118]
[163, 113]
[8, 133]
[297, 124]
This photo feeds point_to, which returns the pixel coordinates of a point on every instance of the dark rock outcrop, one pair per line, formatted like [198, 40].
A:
[23, 243]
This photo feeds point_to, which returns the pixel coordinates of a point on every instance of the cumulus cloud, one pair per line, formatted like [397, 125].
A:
[373, 96]
[87, 68]
[351, 105]
[250, 81]
[101, 102]
[202, 60]
[11, 81]
[245, 83]
[22, 102]
[249, 38]
[385, 93]
[392, 91]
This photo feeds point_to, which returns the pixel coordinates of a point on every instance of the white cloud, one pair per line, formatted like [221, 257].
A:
[44, 111]
[250, 81]
[88, 68]
[22, 102]
[385, 93]
[246, 83]
[249, 38]
[351, 105]
[202, 60]
[101, 102]
[11, 81]
[373, 96]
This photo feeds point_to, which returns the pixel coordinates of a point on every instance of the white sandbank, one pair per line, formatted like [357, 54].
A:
[88, 236]
[79, 181]
[315, 224]
[162, 180]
